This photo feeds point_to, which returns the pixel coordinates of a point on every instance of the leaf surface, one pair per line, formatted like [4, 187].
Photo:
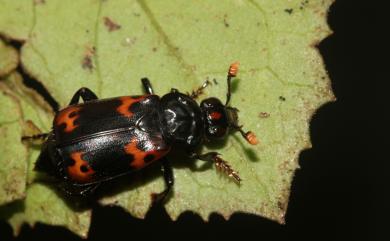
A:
[108, 46]
[8, 59]
[22, 106]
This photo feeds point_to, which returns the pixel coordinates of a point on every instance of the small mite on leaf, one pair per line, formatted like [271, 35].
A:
[87, 62]
[264, 114]
[111, 25]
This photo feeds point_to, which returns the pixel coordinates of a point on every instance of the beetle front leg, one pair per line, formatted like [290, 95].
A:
[167, 171]
[85, 94]
[220, 164]
[195, 93]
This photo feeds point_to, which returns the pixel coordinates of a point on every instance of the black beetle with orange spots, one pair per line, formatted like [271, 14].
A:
[99, 140]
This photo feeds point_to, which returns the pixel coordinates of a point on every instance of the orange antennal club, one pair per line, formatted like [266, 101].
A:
[233, 69]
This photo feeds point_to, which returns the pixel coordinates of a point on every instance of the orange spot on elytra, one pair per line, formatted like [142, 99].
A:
[138, 162]
[127, 101]
[215, 115]
[75, 171]
[68, 117]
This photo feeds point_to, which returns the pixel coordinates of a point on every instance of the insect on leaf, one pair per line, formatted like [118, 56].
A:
[108, 46]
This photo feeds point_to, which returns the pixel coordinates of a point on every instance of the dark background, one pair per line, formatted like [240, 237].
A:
[332, 194]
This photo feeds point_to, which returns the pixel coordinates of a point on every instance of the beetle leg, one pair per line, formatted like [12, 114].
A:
[37, 134]
[41, 136]
[195, 93]
[173, 90]
[89, 190]
[220, 164]
[167, 171]
[44, 163]
[80, 190]
[147, 86]
[85, 93]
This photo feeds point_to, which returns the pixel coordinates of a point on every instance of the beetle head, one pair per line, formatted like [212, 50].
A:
[219, 118]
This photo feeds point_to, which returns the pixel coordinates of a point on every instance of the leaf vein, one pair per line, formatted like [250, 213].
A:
[96, 44]
[172, 49]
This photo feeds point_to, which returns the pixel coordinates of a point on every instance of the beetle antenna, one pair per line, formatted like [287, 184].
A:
[249, 136]
[233, 69]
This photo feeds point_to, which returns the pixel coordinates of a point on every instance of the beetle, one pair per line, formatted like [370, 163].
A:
[101, 139]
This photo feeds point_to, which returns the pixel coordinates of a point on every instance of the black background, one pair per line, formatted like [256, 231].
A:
[332, 195]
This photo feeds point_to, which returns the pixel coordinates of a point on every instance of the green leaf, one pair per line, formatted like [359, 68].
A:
[16, 18]
[109, 45]
[13, 165]
[21, 107]
[8, 59]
